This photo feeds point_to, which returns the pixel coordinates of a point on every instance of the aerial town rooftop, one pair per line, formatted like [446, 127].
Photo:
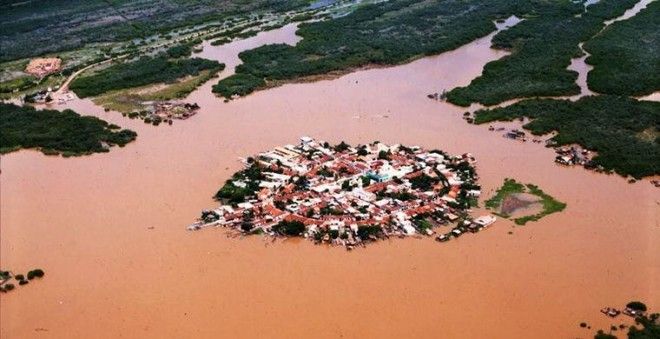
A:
[349, 195]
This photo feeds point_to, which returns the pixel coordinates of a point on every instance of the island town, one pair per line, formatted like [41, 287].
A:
[348, 196]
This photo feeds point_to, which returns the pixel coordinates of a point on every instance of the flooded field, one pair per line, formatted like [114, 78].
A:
[109, 229]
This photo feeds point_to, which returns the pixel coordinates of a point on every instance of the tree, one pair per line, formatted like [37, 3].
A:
[603, 335]
[650, 327]
[291, 228]
[637, 306]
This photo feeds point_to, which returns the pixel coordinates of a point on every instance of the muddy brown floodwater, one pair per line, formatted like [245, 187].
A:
[109, 229]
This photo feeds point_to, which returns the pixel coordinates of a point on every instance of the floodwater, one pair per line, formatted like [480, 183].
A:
[109, 229]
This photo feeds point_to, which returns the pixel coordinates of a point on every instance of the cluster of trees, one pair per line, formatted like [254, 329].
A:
[251, 176]
[55, 132]
[238, 84]
[541, 48]
[5, 276]
[180, 51]
[623, 131]
[147, 70]
[626, 56]
[289, 228]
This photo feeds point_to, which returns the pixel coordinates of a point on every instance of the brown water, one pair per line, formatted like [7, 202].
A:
[86, 222]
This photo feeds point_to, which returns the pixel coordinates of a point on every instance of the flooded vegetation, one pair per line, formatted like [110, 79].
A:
[121, 213]
[514, 196]
[8, 278]
[54, 132]
[625, 66]
[541, 50]
[616, 140]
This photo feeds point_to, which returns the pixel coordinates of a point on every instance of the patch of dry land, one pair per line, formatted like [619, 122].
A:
[41, 67]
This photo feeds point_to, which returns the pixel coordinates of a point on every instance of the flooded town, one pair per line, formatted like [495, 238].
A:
[228, 223]
[348, 195]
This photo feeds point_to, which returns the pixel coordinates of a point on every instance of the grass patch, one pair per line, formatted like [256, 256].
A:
[625, 55]
[55, 132]
[511, 186]
[609, 125]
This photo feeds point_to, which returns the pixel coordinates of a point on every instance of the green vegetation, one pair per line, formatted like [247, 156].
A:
[238, 84]
[131, 100]
[637, 306]
[386, 33]
[234, 193]
[180, 51]
[55, 132]
[17, 84]
[541, 48]
[142, 72]
[626, 56]
[510, 186]
[550, 205]
[650, 327]
[36, 273]
[74, 23]
[623, 131]
[6, 276]
[290, 228]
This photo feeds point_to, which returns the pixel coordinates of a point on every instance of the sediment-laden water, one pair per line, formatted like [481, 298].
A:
[109, 229]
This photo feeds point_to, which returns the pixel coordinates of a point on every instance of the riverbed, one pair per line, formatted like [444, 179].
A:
[109, 229]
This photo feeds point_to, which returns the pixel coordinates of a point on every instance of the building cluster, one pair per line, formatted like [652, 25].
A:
[347, 195]
[41, 67]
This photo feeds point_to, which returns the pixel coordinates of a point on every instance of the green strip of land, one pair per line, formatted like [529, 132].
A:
[541, 46]
[623, 131]
[145, 71]
[626, 56]
[55, 132]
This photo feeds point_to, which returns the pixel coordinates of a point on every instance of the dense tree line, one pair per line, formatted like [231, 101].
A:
[626, 56]
[55, 132]
[623, 131]
[541, 48]
[147, 70]
[385, 33]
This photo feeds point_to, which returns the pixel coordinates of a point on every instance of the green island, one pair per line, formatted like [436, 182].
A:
[509, 199]
[6, 277]
[625, 65]
[145, 71]
[541, 46]
[54, 132]
[622, 131]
